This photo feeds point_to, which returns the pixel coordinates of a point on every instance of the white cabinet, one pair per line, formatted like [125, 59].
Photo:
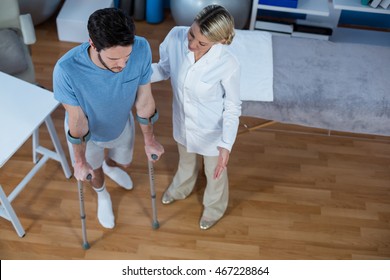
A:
[356, 35]
[325, 11]
[354, 5]
[308, 7]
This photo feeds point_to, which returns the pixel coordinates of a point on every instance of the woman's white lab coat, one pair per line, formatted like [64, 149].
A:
[206, 101]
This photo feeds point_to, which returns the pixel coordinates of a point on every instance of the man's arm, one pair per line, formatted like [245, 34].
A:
[145, 109]
[78, 128]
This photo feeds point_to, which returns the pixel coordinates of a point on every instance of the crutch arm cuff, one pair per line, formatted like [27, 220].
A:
[146, 121]
[78, 141]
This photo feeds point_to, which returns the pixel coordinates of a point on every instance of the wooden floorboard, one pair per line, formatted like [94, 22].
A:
[295, 192]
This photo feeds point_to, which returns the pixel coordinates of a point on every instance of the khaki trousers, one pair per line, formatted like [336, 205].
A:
[216, 195]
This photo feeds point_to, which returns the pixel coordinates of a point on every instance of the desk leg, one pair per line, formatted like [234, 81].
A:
[10, 213]
[58, 147]
[35, 145]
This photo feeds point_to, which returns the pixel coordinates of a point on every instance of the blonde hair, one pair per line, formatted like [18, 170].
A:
[216, 24]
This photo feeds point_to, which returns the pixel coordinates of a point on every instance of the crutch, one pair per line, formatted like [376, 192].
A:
[82, 212]
[155, 224]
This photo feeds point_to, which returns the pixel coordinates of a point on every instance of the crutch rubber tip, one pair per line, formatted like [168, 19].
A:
[86, 246]
[155, 225]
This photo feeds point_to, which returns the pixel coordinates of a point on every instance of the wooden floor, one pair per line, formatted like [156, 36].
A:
[293, 195]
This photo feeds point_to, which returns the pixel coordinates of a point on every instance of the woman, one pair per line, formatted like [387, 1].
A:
[205, 79]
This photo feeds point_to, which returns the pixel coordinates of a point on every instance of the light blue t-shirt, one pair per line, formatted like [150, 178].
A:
[106, 98]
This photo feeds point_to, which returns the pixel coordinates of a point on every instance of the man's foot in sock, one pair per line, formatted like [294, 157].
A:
[118, 175]
[104, 210]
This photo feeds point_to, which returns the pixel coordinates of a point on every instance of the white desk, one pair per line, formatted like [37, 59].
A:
[23, 108]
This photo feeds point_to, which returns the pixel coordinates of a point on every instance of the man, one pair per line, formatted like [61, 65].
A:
[98, 83]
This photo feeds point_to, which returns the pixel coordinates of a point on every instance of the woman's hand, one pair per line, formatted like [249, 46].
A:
[223, 159]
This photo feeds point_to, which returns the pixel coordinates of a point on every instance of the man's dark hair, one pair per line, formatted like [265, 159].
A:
[111, 27]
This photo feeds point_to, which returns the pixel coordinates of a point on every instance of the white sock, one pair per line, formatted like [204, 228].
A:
[104, 210]
[118, 175]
